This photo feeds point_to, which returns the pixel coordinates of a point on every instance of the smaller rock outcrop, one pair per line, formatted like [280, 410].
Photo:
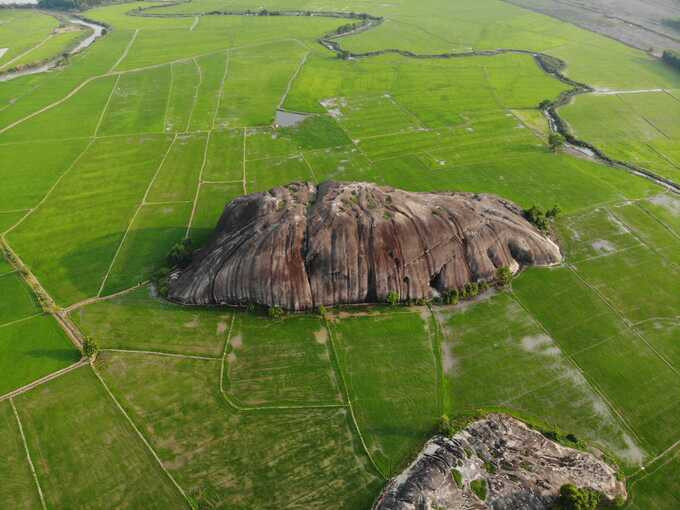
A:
[517, 466]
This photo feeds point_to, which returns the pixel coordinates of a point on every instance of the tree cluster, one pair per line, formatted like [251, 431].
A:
[672, 58]
[539, 218]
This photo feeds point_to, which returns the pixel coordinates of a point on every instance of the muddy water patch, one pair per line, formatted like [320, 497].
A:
[670, 203]
[289, 119]
[602, 246]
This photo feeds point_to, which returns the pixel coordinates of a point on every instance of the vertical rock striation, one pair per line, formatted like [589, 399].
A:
[300, 246]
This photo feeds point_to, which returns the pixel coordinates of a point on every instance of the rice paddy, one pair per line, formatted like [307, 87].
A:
[141, 140]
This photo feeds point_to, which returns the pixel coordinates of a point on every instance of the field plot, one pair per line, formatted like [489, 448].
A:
[224, 159]
[140, 321]
[624, 265]
[496, 355]
[264, 174]
[184, 81]
[211, 200]
[280, 363]
[18, 301]
[611, 354]
[86, 215]
[20, 31]
[138, 103]
[660, 487]
[631, 127]
[340, 163]
[666, 209]
[31, 349]
[254, 460]
[389, 366]
[28, 175]
[211, 71]
[29, 94]
[256, 81]
[87, 106]
[69, 437]
[178, 176]
[18, 489]
[155, 229]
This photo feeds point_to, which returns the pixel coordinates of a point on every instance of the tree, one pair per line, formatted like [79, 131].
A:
[90, 348]
[536, 217]
[544, 104]
[180, 253]
[574, 498]
[555, 141]
[503, 276]
[553, 212]
[393, 297]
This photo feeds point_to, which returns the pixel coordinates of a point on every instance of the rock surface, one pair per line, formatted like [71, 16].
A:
[301, 246]
[522, 469]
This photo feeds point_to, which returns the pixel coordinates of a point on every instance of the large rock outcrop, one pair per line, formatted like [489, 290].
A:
[300, 246]
[520, 467]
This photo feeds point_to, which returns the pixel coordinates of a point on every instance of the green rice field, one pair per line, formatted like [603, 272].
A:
[141, 140]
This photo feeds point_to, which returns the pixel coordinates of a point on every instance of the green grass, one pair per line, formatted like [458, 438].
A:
[495, 354]
[27, 175]
[638, 383]
[31, 349]
[224, 159]
[18, 489]
[178, 177]
[660, 487]
[153, 232]
[280, 362]
[17, 299]
[212, 199]
[138, 103]
[85, 217]
[72, 426]
[254, 460]
[389, 364]
[631, 127]
[21, 30]
[57, 45]
[589, 348]
[139, 321]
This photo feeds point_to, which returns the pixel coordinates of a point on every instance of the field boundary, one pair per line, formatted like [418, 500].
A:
[141, 436]
[28, 455]
[125, 51]
[345, 391]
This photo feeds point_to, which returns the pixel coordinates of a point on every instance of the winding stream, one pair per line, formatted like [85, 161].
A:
[97, 31]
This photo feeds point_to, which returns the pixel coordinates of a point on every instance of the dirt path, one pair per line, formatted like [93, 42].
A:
[126, 51]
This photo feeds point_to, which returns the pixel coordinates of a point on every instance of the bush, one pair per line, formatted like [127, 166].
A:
[275, 312]
[503, 276]
[574, 498]
[393, 297]
[489, 467]
[457, 477]
[90, 348]
[479, 488]
[672, 58]
[555, 141]
[472, 289]
[180, 253]
[321, 310]
[536, 217]
[444, 425]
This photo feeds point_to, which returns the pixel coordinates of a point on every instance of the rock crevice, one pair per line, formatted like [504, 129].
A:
[300, 246]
